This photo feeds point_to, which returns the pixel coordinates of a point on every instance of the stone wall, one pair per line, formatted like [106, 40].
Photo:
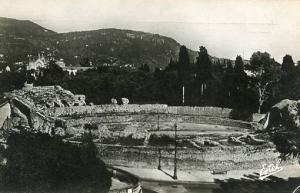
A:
[151, 121]
[135, 108]
[25, 115]
[227, 158]
[43, 97]
[106, 109]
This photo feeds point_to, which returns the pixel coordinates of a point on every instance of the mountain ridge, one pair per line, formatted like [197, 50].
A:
[21, 38]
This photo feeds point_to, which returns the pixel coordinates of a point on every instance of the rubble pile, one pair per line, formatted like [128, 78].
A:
[43, 97]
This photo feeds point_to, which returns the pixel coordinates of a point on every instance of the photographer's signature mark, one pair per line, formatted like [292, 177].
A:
[268, 170]
[296, 190]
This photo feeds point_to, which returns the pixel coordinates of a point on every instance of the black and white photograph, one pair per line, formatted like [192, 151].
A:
[149, 96]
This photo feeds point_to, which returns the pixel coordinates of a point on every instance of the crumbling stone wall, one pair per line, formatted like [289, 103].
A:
[227, 158]
[57, 111]
[106, 109]
[24, 115]
[151, 121]
[135, 108]
[43, 97]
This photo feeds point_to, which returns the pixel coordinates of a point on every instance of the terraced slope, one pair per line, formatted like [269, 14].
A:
[138, 135]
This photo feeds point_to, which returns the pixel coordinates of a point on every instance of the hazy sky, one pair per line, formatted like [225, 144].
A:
[225, 27]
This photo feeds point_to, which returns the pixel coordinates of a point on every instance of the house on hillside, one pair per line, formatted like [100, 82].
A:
[2, 60]
[35, 67]
[61, 63]
[7, 69]
[38, 64]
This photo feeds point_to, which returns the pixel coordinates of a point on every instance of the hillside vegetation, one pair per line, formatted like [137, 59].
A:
[18, 39]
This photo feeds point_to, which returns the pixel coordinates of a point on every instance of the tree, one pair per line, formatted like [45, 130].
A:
[266, 72]
[11, 80]
[289, 80]
[183, 69]
[227, 88]
[173, 65]
[229, 78]
[54, 75]
[203, 65]
[288, 64]
[203, 68]
[239, 65]
[37, 162]
[157, 72]
[240, 77]
[183, 66]
[85, 61]
[144, 68]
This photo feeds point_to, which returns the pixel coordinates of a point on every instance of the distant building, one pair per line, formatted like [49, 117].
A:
[38, 64]
[7, 69]
[2, 59]
[130, 35]
[71, 72]
[61, 63]
[249, 73]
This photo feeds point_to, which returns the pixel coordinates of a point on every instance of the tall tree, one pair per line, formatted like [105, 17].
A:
[240, 77]
[290, 79]
[183, 70]
[203, 68]
[183, 66]
[144, 68]
[288, 69]
[266, 72]
[239, 64]
[229, 78]
[288, 64]
[173, 65]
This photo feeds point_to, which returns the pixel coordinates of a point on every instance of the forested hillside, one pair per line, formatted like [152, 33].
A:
[18, 39]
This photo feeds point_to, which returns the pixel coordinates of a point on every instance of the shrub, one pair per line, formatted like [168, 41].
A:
[40, 163]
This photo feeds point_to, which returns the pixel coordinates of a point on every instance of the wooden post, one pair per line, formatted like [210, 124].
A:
[159, 157]
[175, 155]
[158, 122]
[183, 95]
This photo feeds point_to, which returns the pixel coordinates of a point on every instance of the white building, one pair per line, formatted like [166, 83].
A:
[37, 64]
[7, 69]
[61, 63]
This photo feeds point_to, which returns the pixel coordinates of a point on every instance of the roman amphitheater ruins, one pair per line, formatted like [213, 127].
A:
[139, 135]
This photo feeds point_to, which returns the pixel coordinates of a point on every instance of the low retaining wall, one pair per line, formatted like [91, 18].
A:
[149, 121]
[105, 109]
[134, 108]
[225, 158]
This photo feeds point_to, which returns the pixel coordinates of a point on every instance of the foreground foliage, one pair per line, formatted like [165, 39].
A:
[40, 163]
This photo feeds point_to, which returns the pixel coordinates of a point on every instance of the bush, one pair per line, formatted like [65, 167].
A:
[241, 114]
[40, 163]
[161, 140]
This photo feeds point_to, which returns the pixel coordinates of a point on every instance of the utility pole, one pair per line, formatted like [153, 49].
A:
[175, 155]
